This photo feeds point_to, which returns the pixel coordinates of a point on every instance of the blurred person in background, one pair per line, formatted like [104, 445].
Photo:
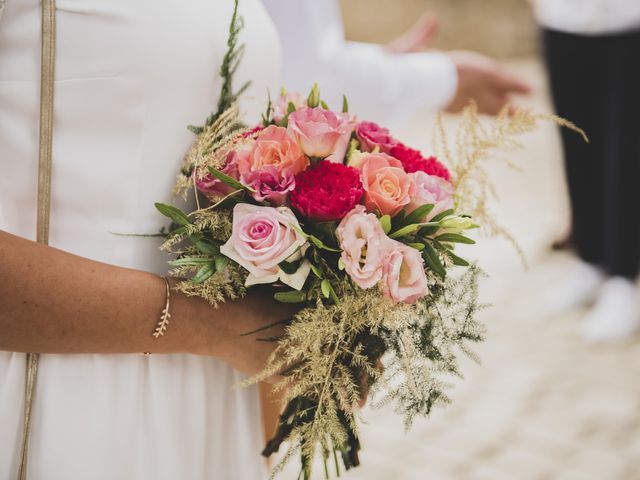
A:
[592, 50]
[400, 76]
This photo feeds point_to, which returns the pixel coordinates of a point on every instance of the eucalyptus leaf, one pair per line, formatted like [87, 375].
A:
[432, 260]
[325, 286]
[204, 273]
[418, 214]
[221, 263]
[455, 238]
[190, 261]
[442, 215]
[320, 244]
[316, 270]
[459, 261]
[174, 213]
[292, 296]
[205, 246]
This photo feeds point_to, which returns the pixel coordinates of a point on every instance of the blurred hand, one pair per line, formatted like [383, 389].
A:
[418, 37]
[240, 344]
[481, 79]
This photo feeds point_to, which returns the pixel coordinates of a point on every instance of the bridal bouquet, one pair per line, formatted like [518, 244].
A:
[337, 215]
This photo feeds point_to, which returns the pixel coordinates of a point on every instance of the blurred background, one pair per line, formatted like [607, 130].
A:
[544, 404]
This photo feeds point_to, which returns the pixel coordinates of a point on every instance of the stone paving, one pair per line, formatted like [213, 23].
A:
[544, 404]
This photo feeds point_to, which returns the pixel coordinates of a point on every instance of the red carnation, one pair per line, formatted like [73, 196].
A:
[413, 161]
[327, 191]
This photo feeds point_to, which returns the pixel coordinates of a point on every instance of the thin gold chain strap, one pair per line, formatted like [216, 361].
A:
[44, 195]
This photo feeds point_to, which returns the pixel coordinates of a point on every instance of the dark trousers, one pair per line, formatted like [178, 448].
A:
[595, 82]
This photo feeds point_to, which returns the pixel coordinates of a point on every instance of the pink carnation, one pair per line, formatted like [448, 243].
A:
[371, 135]
[327, 192]
[413, 161]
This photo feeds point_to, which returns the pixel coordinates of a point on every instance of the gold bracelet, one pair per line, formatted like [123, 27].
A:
[163, 323]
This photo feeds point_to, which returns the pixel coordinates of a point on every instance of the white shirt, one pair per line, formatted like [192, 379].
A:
[130, 76]
[589, 17]
[380, 86]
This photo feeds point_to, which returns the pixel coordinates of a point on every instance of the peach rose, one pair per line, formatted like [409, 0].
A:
[263, 237]
[388, 188]
[431, 190]
[403, 278]
[362, 242]
[321, 133]
[271, 147]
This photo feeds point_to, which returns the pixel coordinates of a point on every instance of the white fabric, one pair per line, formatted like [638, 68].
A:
[130, 76]
[380, 86]
[589, 17]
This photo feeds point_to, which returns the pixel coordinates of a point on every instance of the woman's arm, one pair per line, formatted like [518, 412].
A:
[55, 302]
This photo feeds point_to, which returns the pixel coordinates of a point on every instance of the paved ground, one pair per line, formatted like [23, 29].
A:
[543, 405]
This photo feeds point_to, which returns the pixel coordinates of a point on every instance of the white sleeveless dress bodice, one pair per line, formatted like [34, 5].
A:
[130, 76]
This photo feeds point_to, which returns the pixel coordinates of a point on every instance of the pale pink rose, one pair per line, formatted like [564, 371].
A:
[321, 133]
[431, 190]
[281, 105]
[362, 242]
[403, 279]
[269, 184]
[272, 146]
[388, 188]
[261, 238]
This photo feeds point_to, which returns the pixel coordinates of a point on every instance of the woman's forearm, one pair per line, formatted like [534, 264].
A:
[55, 302]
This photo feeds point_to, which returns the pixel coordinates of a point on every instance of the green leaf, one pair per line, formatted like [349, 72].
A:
[455, 238]
[417, 246]
[418, 214]
[320, 244]
[432, 260]
[385, 222]
[292, 296]
[325, 286]
[316, 271]
[204, 273]
[442, 215]
[226, 179]
[205, 246]
[187, 261]
[289, 267]
[174, 213]
[341, 265]
[221, 263]
[345, 104]
[291, 107]
[324, 105]
[459, 261]
[408, 230]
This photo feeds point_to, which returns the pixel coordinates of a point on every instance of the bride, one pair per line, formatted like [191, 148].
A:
[130, 75]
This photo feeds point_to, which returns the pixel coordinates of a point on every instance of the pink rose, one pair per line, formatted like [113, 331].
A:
[269, 184]
[272, 146]
[261, 238]
[321, 133]
[211, 186]
[431, 190]
[281, 105]
[388, 188]
[371, 135]
[403, 279]
[363, 246]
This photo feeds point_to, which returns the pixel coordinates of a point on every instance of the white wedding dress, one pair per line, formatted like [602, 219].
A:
[130, 76]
